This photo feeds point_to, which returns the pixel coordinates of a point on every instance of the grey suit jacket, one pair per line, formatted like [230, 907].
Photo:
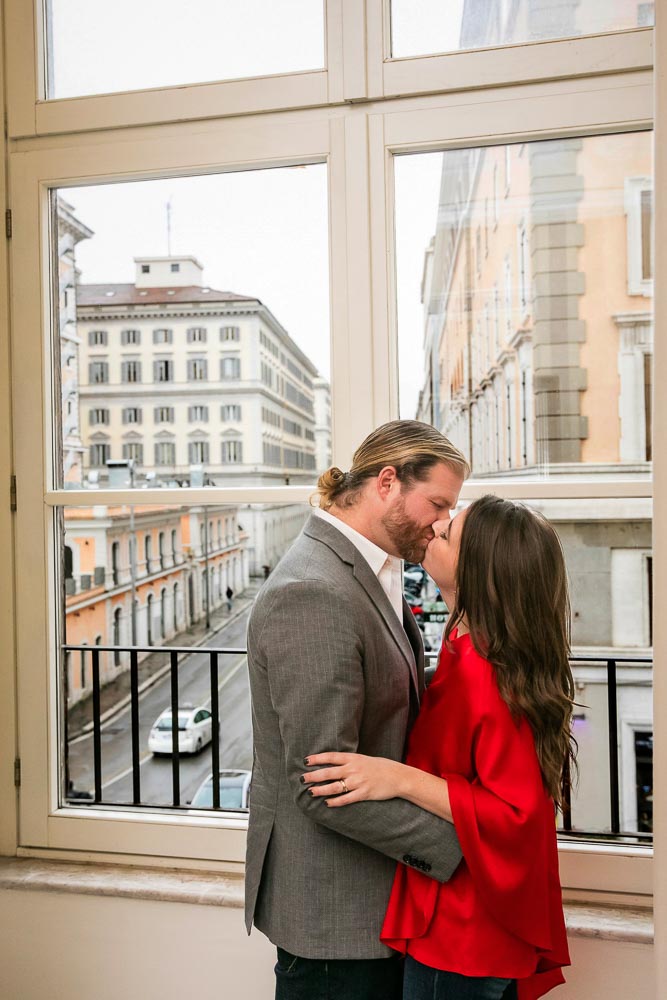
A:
[331, 668]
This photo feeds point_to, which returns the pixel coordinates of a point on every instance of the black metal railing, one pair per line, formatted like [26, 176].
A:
[614, 833]
[173, 652]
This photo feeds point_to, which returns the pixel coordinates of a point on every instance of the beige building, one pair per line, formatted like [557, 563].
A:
[176, 374]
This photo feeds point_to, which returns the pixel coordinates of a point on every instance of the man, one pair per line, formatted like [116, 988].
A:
[336, 663]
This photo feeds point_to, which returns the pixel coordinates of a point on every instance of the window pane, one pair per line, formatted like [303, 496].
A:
[523, 267]
[160, 43]
[608, 554]
[423, 27]
[162, 577]
[169, 369]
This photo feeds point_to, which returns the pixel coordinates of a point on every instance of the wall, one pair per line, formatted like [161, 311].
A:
[69, 947]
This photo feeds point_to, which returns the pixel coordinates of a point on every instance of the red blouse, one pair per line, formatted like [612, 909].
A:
[501, 913]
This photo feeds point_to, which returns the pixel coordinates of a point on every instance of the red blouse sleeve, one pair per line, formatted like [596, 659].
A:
[504, 818]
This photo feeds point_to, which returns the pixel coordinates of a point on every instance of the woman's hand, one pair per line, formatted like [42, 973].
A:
[363, 778]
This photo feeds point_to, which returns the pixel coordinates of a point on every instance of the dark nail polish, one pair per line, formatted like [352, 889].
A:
[310, 791]
[306, 761]
[302, 779]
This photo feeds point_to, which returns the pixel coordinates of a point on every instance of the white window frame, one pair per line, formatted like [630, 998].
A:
[455, 100]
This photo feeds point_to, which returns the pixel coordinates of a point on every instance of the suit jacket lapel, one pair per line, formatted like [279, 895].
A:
[320, 529]
[364, 574]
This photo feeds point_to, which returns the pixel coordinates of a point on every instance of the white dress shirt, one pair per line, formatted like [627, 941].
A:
[387, 569]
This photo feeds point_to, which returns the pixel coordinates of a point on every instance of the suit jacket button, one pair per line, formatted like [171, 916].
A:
[427, 867]
[407, 858]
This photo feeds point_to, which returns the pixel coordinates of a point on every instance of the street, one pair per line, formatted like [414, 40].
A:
[194, 689]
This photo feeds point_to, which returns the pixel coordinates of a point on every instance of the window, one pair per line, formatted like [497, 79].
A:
[163, 336]
[387, 362]
[163, 414]
[165, 453]
[197, 369]
[197, 413]
[639, 221]
[230, 412]
[228, 333]
[134, 450]
[175, 268]
[97, 338]
[99, 454]
[148, 552]
[230, 368]
[131, 371]
[131, 415]
[98, 372]
[198, 452]
[98, 416]
[128, 337]
[232, 451]
[196, 335]
[163, 370]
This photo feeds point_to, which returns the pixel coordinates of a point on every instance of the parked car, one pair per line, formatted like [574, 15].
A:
[234, 791]
[195, 729]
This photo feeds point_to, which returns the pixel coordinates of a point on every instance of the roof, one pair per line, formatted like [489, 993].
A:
[127, 294]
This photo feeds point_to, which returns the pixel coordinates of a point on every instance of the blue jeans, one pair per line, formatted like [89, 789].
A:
[423, 983]
[338, 979]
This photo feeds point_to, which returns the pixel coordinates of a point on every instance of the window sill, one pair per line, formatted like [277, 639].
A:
[163, 885]
[611, 923]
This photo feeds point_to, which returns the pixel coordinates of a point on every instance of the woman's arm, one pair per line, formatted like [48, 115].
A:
[375, 778]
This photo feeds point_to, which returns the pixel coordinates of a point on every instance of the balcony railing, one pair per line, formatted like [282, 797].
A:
[615, 831]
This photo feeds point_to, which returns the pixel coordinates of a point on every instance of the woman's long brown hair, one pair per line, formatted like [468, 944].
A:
[512, 591]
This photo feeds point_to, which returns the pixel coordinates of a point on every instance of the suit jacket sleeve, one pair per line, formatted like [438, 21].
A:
[313, 654]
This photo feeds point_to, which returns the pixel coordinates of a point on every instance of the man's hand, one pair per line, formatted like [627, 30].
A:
[353, 777]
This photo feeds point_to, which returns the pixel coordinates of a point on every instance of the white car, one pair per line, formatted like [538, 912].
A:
[195, 730]
[234, 791]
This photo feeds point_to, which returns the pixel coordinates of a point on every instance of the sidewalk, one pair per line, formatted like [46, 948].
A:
[116, 693]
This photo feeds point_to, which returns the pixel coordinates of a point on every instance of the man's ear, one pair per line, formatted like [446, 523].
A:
[387, 481]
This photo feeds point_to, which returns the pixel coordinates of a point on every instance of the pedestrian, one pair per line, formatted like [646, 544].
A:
[229, 593]
[336, 660]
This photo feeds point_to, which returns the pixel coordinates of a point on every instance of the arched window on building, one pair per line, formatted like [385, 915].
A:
[163, 612]
[149, 620]
[115, 563]
[176, 600]
[116, 636]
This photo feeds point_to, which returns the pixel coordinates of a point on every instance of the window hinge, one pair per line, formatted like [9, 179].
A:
[12, 494]
[8, 223]
[17, 772]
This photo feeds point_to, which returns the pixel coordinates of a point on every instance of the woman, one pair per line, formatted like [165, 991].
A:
[487, 753]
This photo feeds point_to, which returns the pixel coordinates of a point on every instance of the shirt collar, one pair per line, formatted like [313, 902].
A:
[372, 553]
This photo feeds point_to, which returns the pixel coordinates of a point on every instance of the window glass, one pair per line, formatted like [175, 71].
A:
[198, 589]
[536, 348]
[423, 27]
[243, 324]
[160, 43]
[529, 281]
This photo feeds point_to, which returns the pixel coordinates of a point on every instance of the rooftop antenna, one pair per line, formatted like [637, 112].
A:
[169, 227]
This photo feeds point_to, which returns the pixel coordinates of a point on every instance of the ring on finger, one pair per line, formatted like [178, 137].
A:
[344, 788]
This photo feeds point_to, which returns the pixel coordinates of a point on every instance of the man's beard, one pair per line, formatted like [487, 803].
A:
[407, 536]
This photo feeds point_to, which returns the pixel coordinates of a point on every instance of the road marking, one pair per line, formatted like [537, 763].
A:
[124, 774]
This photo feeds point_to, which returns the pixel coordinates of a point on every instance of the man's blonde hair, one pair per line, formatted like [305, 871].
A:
[410, 446]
